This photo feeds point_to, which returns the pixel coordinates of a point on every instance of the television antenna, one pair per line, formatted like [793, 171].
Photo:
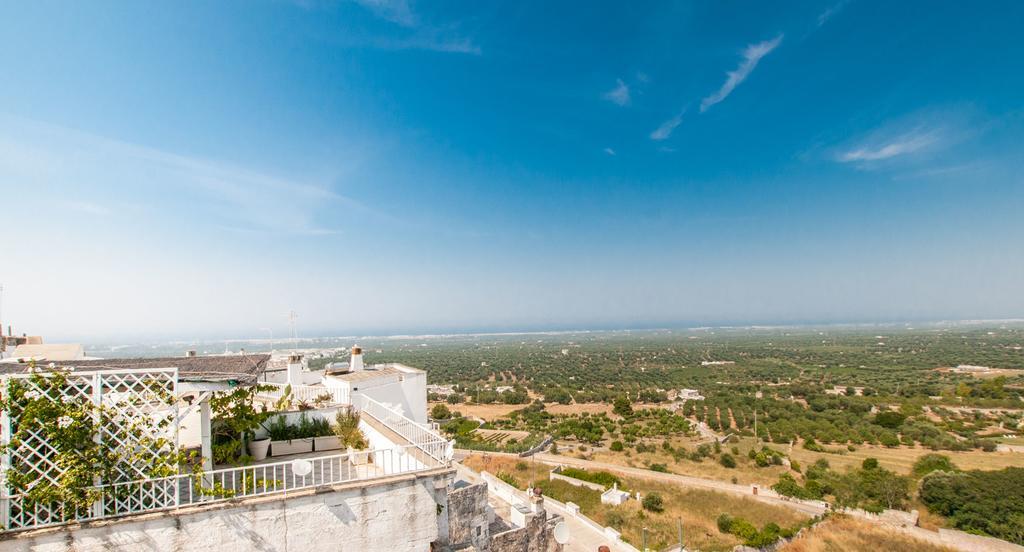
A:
[292, 317]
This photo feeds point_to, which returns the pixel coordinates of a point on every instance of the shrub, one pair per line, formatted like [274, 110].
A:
[617, 446]
[653, 503]
[727, 460]
[508, 478]
[614, 518]
[933, 462]
[521, 466]
[986, 502]
[725, 523]
[889, 419]
[440, 412]
[869, 464]
[658, 468]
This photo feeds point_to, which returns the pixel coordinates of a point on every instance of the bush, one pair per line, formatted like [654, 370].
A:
[889, 419]
[985, 502]
[617, 446]
[725, 523]
[658, 468]
[869, 464]
[508, 478]
[600, 477]
[933, 462]
[653, 503]
[727, 460]
[440, 412]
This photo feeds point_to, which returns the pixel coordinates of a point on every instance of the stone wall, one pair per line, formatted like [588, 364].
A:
[536, 536]
[468, 516]
[399, 513]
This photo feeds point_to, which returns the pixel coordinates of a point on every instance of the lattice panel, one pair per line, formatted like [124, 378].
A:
[140, 412]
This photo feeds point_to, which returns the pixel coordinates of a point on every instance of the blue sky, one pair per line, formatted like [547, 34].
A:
[192, 169]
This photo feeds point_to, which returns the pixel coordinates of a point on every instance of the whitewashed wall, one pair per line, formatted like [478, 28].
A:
[400, 515]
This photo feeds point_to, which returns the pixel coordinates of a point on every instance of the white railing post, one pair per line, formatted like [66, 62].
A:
[97, 402]
[5, 460]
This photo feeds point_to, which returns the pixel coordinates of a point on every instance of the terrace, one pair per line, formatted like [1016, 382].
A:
[134, 413]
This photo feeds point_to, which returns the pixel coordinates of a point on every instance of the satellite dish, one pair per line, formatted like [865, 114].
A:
[301, 467]
[561, 533]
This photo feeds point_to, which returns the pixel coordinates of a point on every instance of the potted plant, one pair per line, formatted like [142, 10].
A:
[324, 437]
[348, 435]
[258, 448]
[286, 438]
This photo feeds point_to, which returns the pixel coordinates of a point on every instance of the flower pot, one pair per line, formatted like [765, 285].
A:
[258, 448]
[291, 446]
[330, 442]
[358, 458]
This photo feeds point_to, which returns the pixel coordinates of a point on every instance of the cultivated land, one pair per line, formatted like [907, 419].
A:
[840, 415]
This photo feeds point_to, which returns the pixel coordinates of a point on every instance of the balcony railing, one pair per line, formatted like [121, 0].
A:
[309, 394]
[425, 450]
[430, 442]
[168, 493]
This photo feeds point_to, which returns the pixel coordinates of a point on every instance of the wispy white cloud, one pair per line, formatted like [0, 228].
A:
[665, 129]
[121, 173]
[430, 41]
[752, 55]
[878, 150]
[609, 151]
[395, 11]
[618, 95]
[824, 16]
[419, 36]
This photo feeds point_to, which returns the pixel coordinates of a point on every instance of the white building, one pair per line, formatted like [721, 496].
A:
[392, 495]
[614, 496]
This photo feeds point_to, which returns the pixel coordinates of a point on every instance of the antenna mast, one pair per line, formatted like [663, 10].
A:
[292, 316]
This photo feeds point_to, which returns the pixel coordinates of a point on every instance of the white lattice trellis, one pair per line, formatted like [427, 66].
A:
[139, 423]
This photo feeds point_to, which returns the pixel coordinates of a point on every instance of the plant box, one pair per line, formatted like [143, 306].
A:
[358, 457]
[330, 442]
[293, 446]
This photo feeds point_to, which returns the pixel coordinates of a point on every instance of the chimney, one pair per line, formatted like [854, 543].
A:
[190, 354]
[295, 369]
[356, 363]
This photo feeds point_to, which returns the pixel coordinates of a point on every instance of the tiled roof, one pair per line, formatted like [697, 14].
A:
[240, 368]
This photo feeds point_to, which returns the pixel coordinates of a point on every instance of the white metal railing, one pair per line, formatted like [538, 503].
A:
[168, 493]
[430, 442]
[310, 394]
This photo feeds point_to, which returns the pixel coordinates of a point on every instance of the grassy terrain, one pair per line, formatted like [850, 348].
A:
[698, 509]
[900, 459]
[843, 533]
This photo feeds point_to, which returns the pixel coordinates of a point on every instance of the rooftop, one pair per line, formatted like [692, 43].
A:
[240, 368]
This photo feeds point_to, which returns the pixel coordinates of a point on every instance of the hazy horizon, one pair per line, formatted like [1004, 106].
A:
[379, 167]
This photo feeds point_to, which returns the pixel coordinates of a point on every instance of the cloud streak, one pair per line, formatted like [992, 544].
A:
[752, 55]
[618, 95]
[824, 16]
[395, 11]
[419, 36]
[911, 142]
[54, 157]
[665, 129]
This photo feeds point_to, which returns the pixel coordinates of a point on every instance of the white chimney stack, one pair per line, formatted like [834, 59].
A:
[356, 363]
[294, 369]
